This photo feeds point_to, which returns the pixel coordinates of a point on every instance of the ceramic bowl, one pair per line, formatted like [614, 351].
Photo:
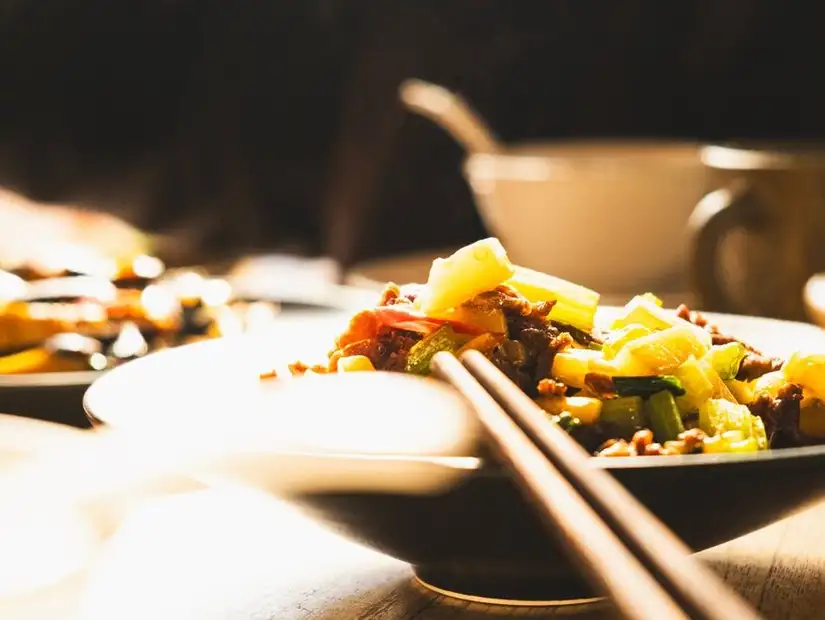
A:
[481, 539]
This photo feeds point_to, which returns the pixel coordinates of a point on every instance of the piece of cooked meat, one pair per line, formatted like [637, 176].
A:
[781, 416]
[551, 387]
[387, 350]
[511, 302]
[755, 365]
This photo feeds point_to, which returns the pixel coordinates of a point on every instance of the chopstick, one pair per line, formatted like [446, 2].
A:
[626, 552]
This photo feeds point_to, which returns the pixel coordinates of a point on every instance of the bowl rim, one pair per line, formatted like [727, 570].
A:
[483, 466]
[524, 161]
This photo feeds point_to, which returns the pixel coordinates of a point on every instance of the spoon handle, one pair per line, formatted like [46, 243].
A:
[450, 112]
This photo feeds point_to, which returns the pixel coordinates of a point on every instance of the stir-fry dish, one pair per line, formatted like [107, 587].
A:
[654, 382]
[72, 319]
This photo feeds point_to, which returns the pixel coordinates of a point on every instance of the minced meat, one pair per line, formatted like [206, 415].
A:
[781, 416]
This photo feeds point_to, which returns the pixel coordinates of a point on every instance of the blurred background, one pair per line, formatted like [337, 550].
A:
[276, 125]
[266, 142]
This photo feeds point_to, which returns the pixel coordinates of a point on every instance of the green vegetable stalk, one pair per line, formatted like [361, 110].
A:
[647, 386]
[664, 417]
[623, 415]
[442, 339]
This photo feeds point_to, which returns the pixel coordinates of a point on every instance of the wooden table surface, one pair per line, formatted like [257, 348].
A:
[240, 555]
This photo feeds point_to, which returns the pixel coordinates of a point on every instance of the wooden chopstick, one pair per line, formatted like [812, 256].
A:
[626, 552]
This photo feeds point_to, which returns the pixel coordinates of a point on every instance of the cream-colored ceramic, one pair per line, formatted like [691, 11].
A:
[610, 215]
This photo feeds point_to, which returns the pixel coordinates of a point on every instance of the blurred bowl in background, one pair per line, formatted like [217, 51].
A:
[611, 215]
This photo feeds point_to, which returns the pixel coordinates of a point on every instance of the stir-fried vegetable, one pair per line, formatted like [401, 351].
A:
[647, 386]
[443, 339]
[664, 351]
[618, 338]
[571, 366]
[623, 415]
[355, 363]
[730, 441]
[654, 383]
[726, 359]
[575, 305]
[807, 370]
[664, 416]
[693, 377]
[473, 269]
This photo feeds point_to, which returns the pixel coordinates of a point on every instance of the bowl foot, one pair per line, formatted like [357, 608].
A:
[524, 592]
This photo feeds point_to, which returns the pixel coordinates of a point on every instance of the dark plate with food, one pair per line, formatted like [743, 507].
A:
[715, 422]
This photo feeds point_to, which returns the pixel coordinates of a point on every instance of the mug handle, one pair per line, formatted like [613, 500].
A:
[713, 219]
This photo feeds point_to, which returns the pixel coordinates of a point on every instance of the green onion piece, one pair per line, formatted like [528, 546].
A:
[647, 386]
[664, 418]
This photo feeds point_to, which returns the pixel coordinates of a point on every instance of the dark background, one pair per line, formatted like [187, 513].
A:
[251, 124]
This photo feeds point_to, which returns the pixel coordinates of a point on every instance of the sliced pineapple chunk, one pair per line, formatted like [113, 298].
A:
[473, 269]
[664, 351]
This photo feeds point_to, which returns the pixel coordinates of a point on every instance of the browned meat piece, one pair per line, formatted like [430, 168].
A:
[601, 385]
[388, 350]
[299, 368]
[781, 416]
[511, 301]
[683, 312]
[551, 387]
[642, 444]
[755, 365]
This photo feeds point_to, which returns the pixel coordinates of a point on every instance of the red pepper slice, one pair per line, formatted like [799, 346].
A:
[411, 320]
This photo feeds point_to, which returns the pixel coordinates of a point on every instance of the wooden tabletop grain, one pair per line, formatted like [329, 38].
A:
[240, 555]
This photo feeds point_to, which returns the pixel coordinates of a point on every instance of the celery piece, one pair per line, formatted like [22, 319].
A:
[717, 416]
[647, 386]
[663, 416]
[726, 359]
[442, 339]
[623, 415]
[575, 305]
[618, 338]
[698, 388]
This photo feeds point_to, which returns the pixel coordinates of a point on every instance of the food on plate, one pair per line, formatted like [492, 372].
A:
[75, 320]
[653, 382]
